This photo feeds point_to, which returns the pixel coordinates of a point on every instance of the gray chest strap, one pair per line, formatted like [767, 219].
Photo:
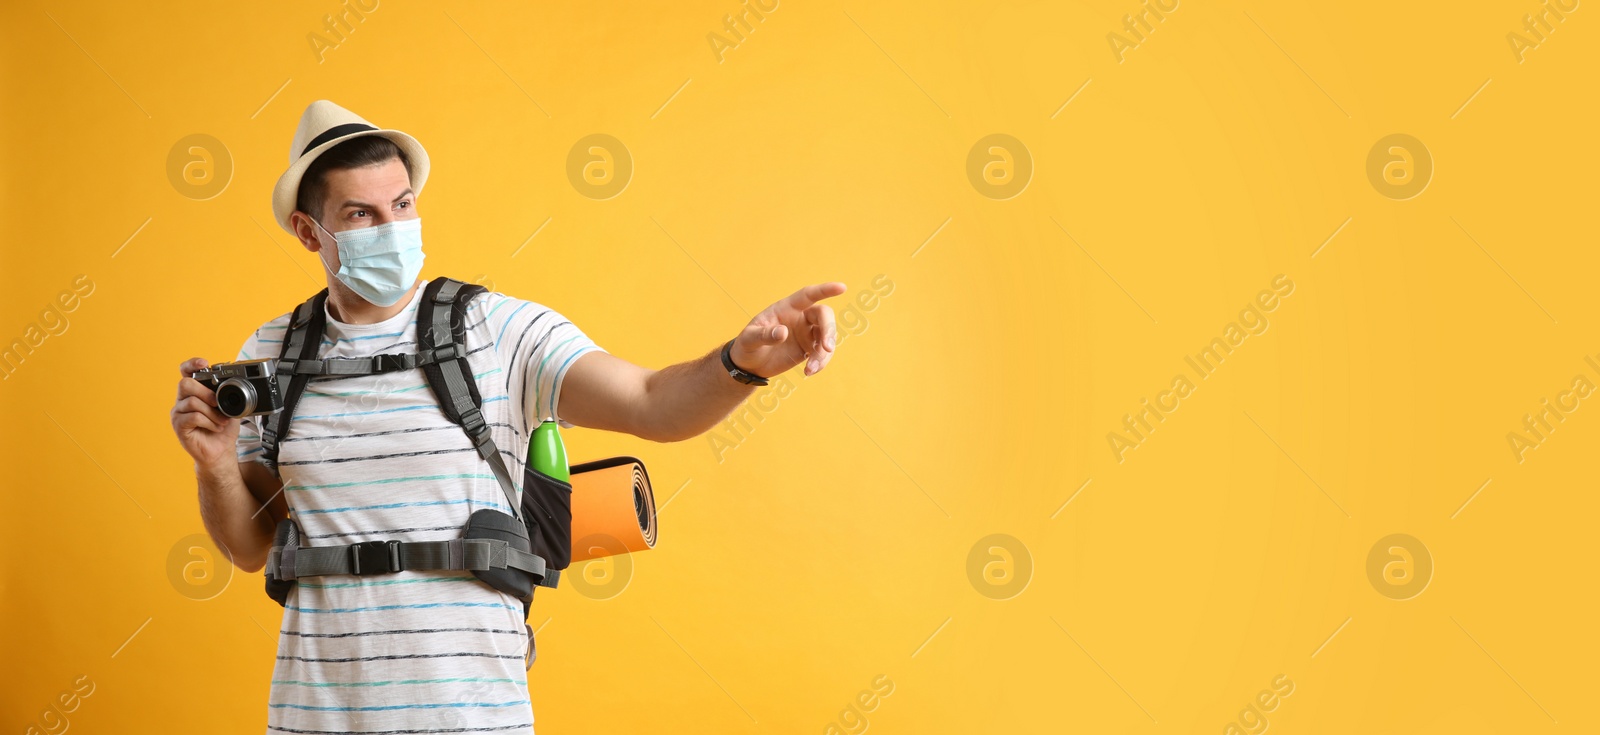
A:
[371, 364]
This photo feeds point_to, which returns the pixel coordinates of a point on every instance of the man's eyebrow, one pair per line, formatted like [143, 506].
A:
[363, 205]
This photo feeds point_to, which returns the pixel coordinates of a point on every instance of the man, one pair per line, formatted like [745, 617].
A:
[373, 457]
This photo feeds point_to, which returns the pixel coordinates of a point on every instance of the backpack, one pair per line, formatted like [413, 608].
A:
[511, 553]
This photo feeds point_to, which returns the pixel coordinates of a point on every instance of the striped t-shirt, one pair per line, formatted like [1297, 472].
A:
[373, 457]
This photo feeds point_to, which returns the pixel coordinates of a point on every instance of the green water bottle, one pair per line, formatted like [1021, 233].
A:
[546, 452]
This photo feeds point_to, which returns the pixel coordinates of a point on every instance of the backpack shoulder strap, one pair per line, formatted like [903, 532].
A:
[306, 325]
[441, 321]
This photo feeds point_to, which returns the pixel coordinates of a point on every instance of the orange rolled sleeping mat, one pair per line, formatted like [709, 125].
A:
[613, 508]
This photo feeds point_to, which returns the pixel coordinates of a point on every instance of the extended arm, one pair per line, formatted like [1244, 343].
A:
[681, 401]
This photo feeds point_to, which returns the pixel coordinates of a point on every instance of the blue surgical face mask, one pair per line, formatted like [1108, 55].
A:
[380, 263]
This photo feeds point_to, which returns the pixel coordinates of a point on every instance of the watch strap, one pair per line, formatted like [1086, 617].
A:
[737, 373]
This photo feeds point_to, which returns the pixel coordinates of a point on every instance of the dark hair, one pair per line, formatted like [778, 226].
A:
[367, 150]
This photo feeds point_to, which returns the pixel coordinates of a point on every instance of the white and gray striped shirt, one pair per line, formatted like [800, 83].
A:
[373, 457]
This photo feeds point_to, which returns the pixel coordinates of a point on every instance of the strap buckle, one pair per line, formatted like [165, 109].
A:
[375, 557]
[388, 362]
[472, 420]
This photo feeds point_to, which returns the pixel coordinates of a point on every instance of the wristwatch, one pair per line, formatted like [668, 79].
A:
[734, 371]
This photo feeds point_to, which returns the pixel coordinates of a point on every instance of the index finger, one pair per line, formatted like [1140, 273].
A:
[189, 366]
[191, 387]
[805, 297]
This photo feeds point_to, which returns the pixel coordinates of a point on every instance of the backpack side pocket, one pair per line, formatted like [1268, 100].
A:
[491, 524]
[285, 537]
[547, 509]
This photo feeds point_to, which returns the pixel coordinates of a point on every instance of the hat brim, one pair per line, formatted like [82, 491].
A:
[288, 186]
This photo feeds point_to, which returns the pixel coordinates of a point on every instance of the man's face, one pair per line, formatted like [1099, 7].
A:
[358, 197]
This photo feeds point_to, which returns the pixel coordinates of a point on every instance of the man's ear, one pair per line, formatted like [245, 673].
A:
[305, 230]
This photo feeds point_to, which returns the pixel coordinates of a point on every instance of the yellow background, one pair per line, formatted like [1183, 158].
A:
[830, 547]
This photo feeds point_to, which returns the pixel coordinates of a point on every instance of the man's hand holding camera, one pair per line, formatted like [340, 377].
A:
[240, 502]
[206, 434]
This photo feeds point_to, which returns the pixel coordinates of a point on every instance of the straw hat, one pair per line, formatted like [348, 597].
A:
[323, 126]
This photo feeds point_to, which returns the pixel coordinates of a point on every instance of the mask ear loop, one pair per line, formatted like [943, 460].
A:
[321, 259]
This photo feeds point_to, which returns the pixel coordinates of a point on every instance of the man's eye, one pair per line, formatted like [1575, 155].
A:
[404, 204]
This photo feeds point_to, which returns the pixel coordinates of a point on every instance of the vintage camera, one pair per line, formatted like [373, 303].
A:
[244, 388]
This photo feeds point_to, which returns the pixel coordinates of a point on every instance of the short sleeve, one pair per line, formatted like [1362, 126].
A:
[536, 345]
[264, 342]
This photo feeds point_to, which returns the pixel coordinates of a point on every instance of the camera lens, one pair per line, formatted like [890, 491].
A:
[236, 398]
